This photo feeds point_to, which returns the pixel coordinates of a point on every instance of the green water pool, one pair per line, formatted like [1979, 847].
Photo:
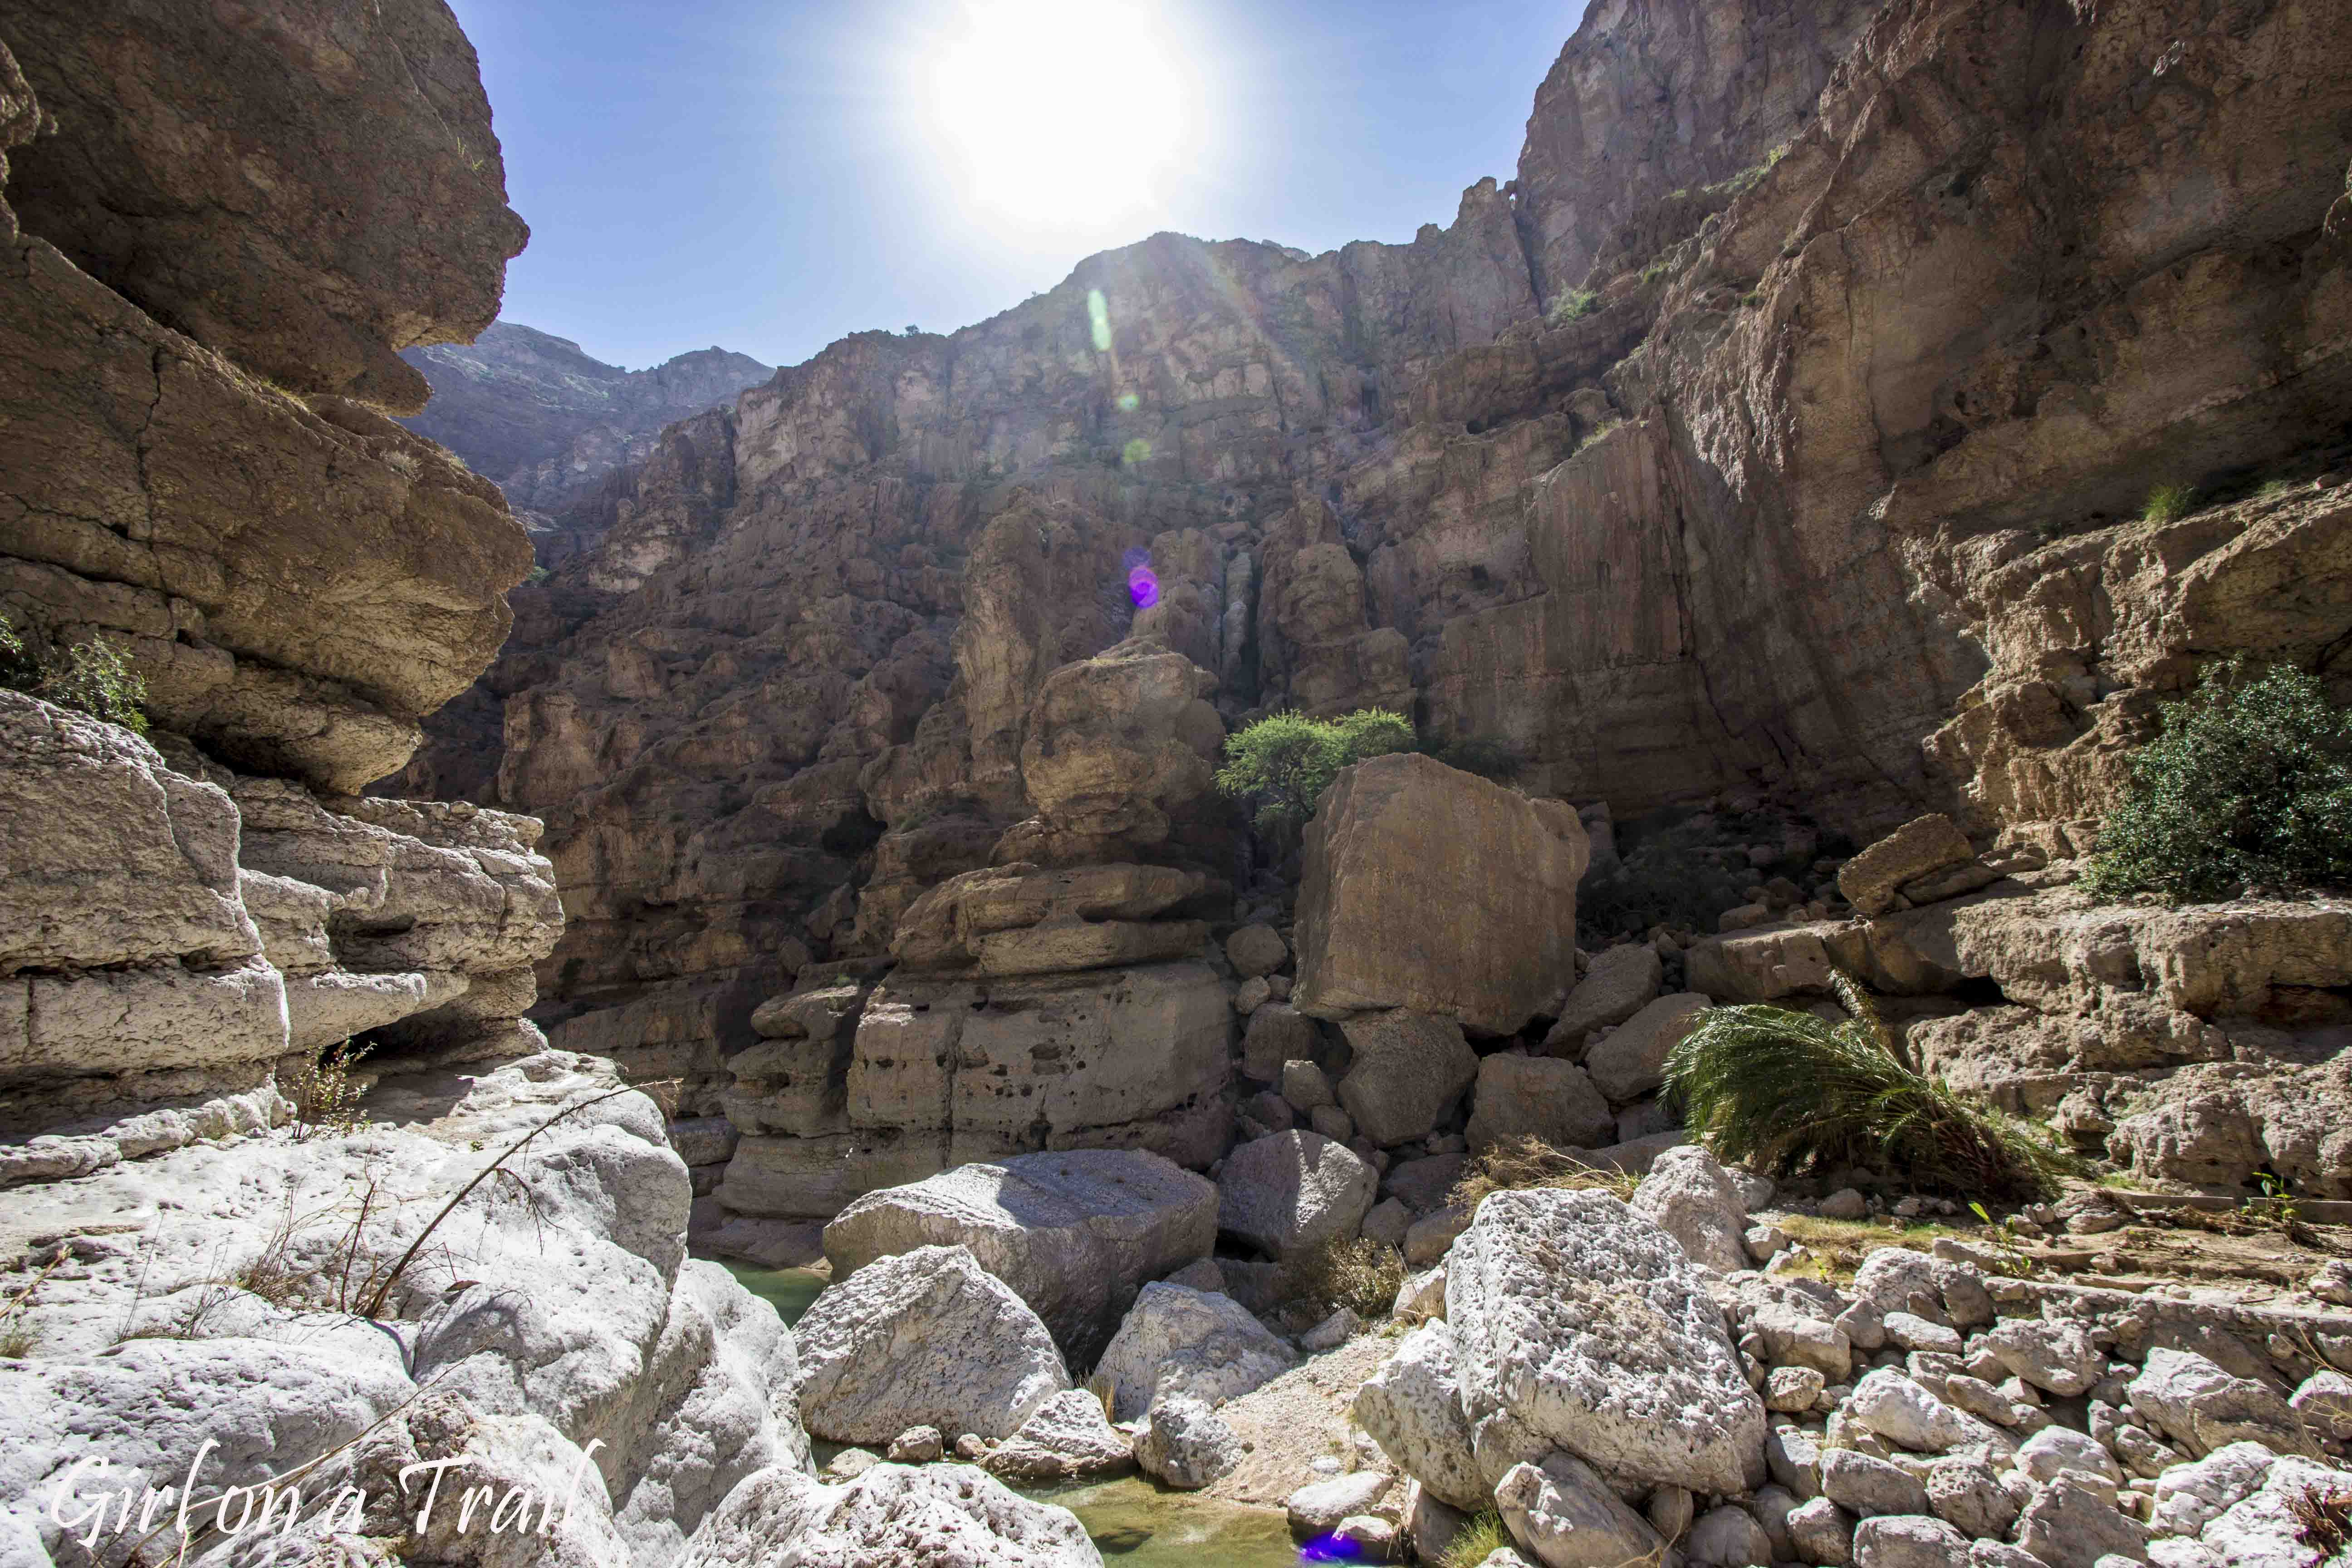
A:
[1136, 1522]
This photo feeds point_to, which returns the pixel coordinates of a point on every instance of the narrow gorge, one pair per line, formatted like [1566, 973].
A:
[512, 869]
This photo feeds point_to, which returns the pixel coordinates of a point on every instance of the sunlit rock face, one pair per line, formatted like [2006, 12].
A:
[1886, 304]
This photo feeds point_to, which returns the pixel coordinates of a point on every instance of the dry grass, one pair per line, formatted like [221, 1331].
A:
[2322, 1522]
[1525, 1164]
[1361, 1274]
[326, 1098]
[1476, 1542]
[1839, 1246]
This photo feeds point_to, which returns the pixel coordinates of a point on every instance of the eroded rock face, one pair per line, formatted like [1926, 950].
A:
[308, 191]
[1400, 836]
[779, 1518]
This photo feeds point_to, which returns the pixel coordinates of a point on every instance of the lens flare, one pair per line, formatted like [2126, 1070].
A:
[1142, 583]
[1332, 1548]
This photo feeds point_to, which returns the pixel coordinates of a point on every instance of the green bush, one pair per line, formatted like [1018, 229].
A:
[1282, 764]
[1573, 306]
[97, 679]
[1793, 1092]
[2166, 502]
[2248, 789]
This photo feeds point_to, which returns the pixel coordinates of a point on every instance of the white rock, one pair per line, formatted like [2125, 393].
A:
[924, 1338]
[1967, 1494]
[2190, 1497]
[1909, 1541]
[1176, 1341]
[1592, 1329]
[1332, 1332]
[1689, 1196]
[2197, 1404]
[2056, 1356]
[916, 1446]
[1793, 1389]
[1187, 1445]
[1067, 1439]
[2073, 1522]
[2261, 1530]
[946, 1514]
[1902, 1412]
[1911, 1332]
[1317, 1508]
[2324, 1401]
[1413, 1408]
[1569, 1517]
[1421, 1295]
[1794, 1338]
[2054, 1451]
[1075, 1233]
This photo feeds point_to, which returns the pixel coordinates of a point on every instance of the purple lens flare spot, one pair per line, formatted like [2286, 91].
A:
[1332, 1548]
[1142, 586]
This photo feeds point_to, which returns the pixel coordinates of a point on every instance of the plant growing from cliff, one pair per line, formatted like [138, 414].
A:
[1793, 1092]
[96, 679]
[1281, 765]
[2166, 502]
[1572, 305]
[326, 1098]
[2249, 788]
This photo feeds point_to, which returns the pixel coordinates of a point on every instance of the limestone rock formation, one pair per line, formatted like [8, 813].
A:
[781, 1518]
[1402, 838]
[308, 191]
[1180, 1342]
[1075, 1234]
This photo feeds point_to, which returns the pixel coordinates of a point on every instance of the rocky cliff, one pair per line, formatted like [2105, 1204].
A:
[550, 425]
[1715, 461]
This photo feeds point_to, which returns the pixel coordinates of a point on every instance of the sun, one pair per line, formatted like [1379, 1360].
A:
[1055, 111]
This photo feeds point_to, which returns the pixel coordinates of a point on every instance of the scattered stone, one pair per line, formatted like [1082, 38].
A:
[1670, 1511]
[1729, 1536]
[918, 1446]
[1902, 1412]
[1570, 1517]
[1387, 1223]
[2324, 1401]
[1068, 1439]
[1620, 983]
[1967, 1494]
[1914, 1333]
[1202, 1274]
[2196, 1403]
[2073, 1522]
[1793, 1389]
[1186, 1444]
[1867, 1487]
[2054, 1451]
[1255, 950]
[1317, 1509]
[1846, 1203]
[1304, 1086]
[1432, 1237]
[1794, 1458]
[851, 1463]
[1542, 1097]
[2056, 1356]
[1909, 1541]
[1421, 1296]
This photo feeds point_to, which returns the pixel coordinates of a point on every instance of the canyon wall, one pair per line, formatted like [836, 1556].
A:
[1708, 461]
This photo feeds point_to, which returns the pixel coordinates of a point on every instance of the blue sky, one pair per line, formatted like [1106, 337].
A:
[769, 176]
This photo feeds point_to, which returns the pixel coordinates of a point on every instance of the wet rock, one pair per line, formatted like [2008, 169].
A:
[1067, 1439]
[1186, 1444]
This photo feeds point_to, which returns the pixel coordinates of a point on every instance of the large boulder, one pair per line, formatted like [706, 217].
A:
[1407, 1068]
[1186, 1444]
[1871, 881]
[1589, 1328]
[1690, 1196]
[1542, 1097]
[1198, 1343]
[1115, 744]
[1413, 1408]
[927, 1338]
[308, 191]
[1294, 1190]
[1075, 1233]
[948, 1514]
[1399, 835]
[2203, 1407]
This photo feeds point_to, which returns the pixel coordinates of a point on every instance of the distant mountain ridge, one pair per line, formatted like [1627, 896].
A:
[548, 421]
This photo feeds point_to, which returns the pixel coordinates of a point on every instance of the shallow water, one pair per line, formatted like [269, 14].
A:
[1134, 1521]
[1138, 1524]
[788, 1290]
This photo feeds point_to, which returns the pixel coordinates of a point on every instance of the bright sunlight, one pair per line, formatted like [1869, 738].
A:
[1052, 109]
